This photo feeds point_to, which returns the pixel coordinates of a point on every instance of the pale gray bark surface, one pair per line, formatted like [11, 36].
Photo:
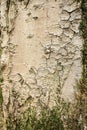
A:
[41, 50]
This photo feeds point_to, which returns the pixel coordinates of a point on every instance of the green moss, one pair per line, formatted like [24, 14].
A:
[79, 113]
[83, 28]
[1, 97]
[49, 120]
[1, 80]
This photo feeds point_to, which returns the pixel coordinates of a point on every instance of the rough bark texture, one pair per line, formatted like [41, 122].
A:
[41, 50]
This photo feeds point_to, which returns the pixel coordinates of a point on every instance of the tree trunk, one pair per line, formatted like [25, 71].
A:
[41, 53]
